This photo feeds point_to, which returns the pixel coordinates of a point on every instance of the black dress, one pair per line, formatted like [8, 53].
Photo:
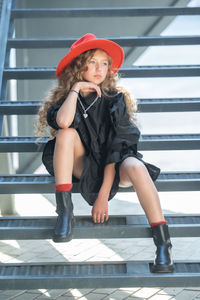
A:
[108, 137]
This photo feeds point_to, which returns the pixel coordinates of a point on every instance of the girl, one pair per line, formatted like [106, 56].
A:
[95, 142]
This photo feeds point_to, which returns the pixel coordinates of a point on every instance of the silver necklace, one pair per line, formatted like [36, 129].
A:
[86, 109]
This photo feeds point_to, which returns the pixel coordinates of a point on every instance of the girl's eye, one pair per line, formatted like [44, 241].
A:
[105, 63]
[92, 62]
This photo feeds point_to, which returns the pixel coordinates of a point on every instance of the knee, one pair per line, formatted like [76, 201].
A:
[135, 169]
[67, 135]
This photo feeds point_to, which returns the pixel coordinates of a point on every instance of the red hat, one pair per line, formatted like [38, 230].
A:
[88, 42]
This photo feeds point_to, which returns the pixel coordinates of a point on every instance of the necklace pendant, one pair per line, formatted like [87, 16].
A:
[85, 115]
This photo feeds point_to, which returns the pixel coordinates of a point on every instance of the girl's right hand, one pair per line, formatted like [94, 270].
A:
[86, 87]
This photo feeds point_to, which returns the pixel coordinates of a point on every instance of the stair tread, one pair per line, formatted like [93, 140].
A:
[28, 183]
[84, 220]
[104, 12]
[43, 178]
[125, 41]
[144, 105]
[95, 275]
[129, 226]
[146, 142]
[128, 72]
[144, 137]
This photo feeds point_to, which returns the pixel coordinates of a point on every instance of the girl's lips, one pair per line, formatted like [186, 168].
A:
[97, 76]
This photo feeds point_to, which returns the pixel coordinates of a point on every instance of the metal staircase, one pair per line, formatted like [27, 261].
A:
[95, 274]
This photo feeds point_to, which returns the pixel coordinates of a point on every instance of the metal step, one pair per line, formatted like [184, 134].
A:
[126, 72]
[146, 143]
[22, 144]
[21, 107]
[169, 142]
[32, 228]
[90, 275]
[168, 105]
[171, 181]
[126, 41]
[104, 12]
[144, 105]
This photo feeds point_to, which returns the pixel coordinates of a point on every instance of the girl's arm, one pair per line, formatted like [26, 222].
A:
[66, 113]
[100, 208]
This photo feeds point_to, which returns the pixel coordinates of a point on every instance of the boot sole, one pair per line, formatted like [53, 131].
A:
[63, 238]
[162, 269]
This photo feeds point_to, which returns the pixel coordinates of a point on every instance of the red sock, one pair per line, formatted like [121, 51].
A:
[158, 223]
[63, 187]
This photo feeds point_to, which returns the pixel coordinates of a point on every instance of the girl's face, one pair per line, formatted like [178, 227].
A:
[97, 68]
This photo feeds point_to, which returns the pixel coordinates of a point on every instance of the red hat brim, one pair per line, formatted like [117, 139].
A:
[111, 48]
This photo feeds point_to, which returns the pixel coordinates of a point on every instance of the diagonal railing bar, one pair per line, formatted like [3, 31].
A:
[5, 21]
[3, 97]
[104, 12]
[4, 25]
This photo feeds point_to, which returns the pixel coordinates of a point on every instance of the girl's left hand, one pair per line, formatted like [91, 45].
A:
[100, 209]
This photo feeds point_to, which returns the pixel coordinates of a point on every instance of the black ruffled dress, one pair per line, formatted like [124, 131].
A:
[108, 137]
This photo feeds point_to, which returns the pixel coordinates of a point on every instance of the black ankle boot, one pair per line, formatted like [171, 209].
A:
[163, 261]
[65, 219]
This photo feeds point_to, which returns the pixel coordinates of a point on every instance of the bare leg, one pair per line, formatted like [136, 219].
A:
[68, 156]
[133, 172]
[68, 159]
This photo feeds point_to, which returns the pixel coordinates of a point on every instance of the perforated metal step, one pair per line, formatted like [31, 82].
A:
[104, 12]
[95, 275]
[21, 107]
[26, 228]
[126, 41]
[171, 181]
[169, 105]
[147, 142]
[127, 72]
[144, 105]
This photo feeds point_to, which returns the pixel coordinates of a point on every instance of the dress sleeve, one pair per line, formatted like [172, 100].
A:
[52, 114]
[124, 135]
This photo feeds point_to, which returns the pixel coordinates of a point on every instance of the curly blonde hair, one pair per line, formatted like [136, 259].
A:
[72, 74]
